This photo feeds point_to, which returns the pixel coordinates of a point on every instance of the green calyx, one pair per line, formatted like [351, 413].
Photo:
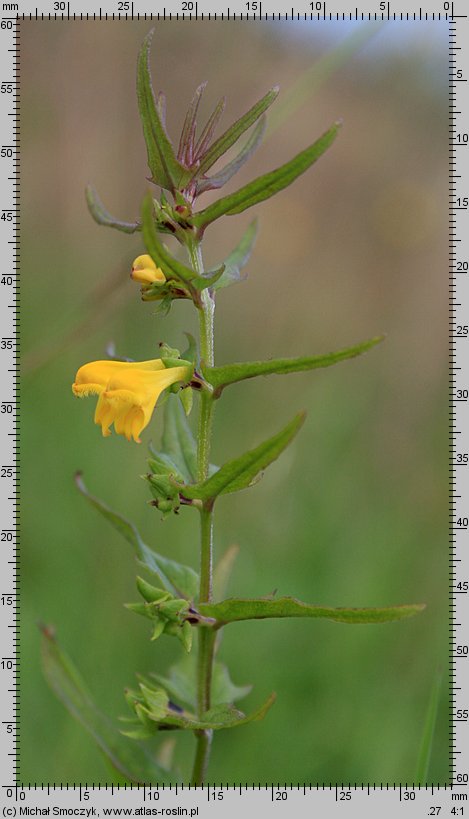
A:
[169, 615]
[154, 711]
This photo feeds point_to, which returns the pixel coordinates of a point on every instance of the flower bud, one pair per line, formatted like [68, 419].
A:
[145, 271]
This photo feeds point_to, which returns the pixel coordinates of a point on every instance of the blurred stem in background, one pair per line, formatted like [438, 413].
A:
[426, 746]
[313, 79]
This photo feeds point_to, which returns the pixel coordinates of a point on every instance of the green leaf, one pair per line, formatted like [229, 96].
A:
[103, 217]
[180, 580]
[209, 130]
[266, 185]
[238, 258]
[181, 684]
[186, 397]
[226, 716]
[242, 471]
[225, 174]
[223, 689]
[186, 143]
[229, 611]
[131, 759]
[209, 279]
[221, 377]
[223, 143]
[178, 442]
[165, 169]
[191, 353]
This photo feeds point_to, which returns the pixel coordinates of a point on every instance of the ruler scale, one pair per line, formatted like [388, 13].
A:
[216, 799]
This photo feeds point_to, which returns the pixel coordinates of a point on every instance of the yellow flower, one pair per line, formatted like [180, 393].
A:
[127, 391]
[145, 271]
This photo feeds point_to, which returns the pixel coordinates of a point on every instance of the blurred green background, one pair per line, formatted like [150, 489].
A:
[355, 512]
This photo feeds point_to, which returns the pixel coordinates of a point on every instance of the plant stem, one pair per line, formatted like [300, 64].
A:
[206, 635]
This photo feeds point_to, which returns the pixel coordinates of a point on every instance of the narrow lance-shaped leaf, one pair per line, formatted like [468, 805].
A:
[103, 217]
[223, 143]
[178, 441]
[229, 611]
[181, 684]
[209, 130]
[238, 258]
[180, 580]
[165, 168]
[242, 471]
[221, 377]
[227, 716]
[209, 279]
[133, 761]
[225, 174]
[267, 185]
[186, 143]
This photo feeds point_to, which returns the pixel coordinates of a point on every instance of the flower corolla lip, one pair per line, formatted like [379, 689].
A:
[127, 391]
[146, 272]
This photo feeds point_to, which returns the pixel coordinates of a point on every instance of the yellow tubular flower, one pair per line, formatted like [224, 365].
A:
[145, 271]
[128, 391]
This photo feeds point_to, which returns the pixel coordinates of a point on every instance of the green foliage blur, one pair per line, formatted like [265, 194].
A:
[355, 513]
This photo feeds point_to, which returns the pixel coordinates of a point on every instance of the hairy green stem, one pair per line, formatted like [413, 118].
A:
[206, 641]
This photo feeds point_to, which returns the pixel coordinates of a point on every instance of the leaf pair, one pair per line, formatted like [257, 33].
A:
[179, 456]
